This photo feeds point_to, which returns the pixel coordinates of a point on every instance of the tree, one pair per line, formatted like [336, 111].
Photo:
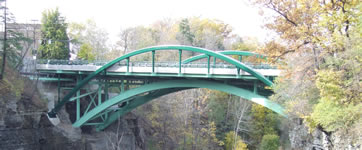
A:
[55, 41]
[76, 33]
[239, 116]
[187, 37]
[114, 139]
[89, 33]
[135, 38]
[264, 122]
[205, 33]
[97, 38]
[209, 33]
[309, 27]
[27, 35]
[270, 142]
[340, 92]
[125, 39]
[86, 52]
[14, 47]
[316, 40]
[165, 31]
[232, 144]
[12, 43]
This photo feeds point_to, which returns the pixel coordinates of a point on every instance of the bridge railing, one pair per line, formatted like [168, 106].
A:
[71, 62]
[157, 64]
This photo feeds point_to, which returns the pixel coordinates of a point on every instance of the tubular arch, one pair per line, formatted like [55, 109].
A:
[246, 94]
[134, 103]
[227, 52]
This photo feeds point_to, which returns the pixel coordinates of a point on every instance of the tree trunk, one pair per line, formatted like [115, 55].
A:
[245, 106]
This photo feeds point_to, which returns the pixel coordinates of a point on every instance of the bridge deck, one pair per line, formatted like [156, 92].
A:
[162, 69]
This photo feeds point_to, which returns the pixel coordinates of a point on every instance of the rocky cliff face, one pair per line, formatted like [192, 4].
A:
[25, 126]
[127, 134]
[301, 139]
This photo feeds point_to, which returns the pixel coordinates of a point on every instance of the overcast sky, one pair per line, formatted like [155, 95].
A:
[113, 15]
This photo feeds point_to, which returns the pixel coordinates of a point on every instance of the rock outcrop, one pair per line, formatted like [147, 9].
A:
[301, 139]
[24, 124]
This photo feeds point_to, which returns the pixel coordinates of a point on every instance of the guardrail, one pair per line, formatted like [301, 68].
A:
[149, 64]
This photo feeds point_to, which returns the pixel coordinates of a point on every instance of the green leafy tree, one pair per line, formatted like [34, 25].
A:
[76, 33]
[89, 33]
[187, 37]
[234, 144]
[86, 52]
[209, 33]
[320, 45]
[206, 33]
[340, 93]
[55, 41]
[270, 142]
[264, 122]
[97, 38]
[221, 111]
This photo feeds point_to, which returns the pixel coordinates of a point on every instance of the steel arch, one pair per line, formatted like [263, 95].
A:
[228, 59]
[134, 103]
[227, 52]
[246, 94]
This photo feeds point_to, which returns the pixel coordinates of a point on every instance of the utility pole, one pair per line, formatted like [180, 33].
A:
[4, 46]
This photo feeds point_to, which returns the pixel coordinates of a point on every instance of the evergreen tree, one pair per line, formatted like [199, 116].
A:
[12, 42]
[55, 41]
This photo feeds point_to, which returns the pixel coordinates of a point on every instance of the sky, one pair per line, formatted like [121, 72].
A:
[112, 15]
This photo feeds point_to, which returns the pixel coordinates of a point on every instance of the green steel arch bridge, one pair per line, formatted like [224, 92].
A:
[116, 87]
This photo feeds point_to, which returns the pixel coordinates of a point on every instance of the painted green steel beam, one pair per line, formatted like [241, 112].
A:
[238, 70]
[145, 75]
[93, 123]
[246, 94]
[58, 89]
[127, 65]
[78, 99]
[99, 94]
[58, 71]
[48, 79]
[100, 115]
[122, 86]
[80, 96]
[214, 61]
[220, 56]
[153, 62]
[179, 61]
[134, 103]
[228, 52]
[92, 102]
[111, 84]
[208, 65]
